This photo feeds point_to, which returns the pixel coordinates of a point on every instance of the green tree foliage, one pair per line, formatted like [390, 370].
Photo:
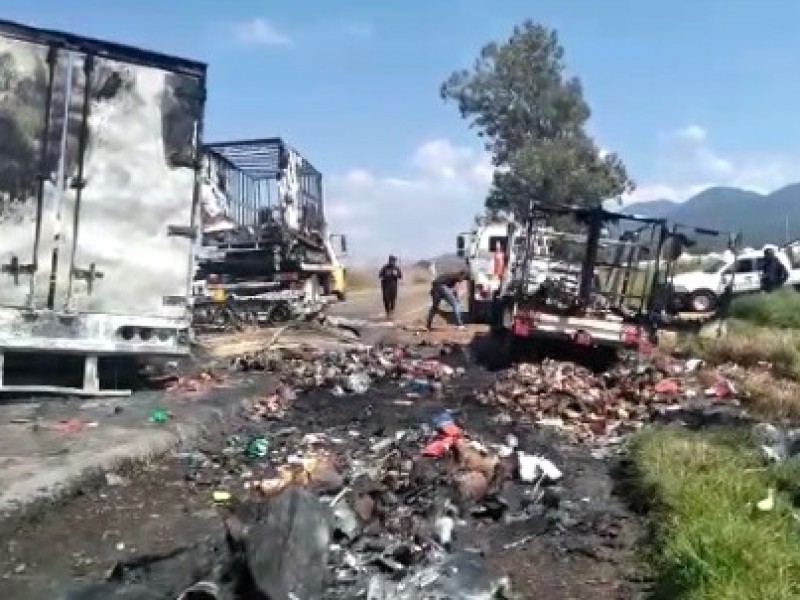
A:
[533, 118]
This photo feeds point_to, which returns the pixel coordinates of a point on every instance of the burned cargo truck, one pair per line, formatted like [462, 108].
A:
[99, 180]
[267, 255]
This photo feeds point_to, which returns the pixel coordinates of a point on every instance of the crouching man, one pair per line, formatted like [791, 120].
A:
[444, 288]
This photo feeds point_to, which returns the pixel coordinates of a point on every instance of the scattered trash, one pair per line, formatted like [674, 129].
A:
[257, 447]
[221, 496]
[72, 426]
[532, 468]
[159, 416]
[599, 408]
[768, 503]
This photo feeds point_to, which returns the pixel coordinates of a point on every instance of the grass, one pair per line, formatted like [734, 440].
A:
[709, 541]
[780, 309]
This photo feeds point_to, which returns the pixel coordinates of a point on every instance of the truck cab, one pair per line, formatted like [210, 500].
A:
[477, 248]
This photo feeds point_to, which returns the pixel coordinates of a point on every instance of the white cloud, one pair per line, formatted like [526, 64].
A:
[260, 32]
[687, 162]
[415, 214]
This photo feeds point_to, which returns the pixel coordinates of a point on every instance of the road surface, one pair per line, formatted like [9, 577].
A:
[412, 302]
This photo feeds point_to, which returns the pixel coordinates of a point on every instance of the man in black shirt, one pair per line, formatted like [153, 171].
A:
[443, 288]
[390, 276]
[773, 273]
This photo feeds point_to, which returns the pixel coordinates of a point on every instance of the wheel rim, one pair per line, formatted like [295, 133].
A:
[701, 303]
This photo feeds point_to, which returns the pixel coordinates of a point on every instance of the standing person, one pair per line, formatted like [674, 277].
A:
[773, 273]
[498, 260]
[390, 276]
[444, 288]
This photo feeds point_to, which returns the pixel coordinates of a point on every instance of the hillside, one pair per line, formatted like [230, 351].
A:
[761, 218]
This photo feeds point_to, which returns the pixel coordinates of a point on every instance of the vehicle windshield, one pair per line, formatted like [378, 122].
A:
[713, 265]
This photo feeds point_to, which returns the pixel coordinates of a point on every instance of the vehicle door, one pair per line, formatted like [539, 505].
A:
[125, 248]
[746, 275]
[35, 97]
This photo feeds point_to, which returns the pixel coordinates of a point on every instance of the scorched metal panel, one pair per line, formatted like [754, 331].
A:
[119, 170]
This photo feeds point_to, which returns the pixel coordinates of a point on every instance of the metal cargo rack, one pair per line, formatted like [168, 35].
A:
[589, 271]
[664, 306]
[249, 172]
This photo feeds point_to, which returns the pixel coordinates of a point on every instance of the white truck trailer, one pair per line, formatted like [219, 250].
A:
[99, 194]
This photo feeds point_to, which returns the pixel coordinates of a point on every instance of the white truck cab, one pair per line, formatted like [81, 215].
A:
[699, 290]
[477, 248]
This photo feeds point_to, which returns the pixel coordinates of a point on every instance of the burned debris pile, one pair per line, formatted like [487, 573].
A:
[600, 408]
[405, 477]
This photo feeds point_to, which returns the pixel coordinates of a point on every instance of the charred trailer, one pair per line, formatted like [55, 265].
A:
[592, 285]
[266, 254]
[99, 184]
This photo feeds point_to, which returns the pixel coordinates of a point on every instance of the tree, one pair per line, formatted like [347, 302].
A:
[533, 118]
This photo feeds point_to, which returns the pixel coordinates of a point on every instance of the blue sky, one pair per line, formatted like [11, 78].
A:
[690, 94]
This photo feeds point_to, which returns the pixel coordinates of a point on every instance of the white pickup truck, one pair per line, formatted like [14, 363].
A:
[699, 291]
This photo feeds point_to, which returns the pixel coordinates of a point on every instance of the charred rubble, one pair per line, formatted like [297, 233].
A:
[412, 507]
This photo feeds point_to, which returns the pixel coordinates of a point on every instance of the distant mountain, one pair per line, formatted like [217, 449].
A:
[760, 218]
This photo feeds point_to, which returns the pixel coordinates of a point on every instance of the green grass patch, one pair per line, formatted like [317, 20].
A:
[710, 542]
[780, 309]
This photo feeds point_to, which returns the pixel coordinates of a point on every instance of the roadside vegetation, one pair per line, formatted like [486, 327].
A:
[763, 339]
[710, 540]
[778, 310]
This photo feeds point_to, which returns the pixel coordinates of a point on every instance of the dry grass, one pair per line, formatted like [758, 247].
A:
[770, 365]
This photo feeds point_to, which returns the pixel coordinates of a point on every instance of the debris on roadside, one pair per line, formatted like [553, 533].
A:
[600, 407]
[344, 372]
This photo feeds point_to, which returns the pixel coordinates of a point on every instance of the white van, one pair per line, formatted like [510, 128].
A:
[699, 291]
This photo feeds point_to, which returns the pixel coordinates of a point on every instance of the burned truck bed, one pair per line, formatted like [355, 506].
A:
[603, 282]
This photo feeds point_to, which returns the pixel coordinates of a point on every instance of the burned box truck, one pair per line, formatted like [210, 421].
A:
[99, 180]
[266, 255]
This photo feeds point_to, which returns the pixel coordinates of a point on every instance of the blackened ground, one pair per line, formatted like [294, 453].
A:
[584, 548]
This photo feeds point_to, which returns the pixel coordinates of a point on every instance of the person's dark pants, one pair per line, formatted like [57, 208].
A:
[389, 298]
[439, 293]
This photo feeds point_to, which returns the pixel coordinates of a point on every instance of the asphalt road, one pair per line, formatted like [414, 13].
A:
[412, 302]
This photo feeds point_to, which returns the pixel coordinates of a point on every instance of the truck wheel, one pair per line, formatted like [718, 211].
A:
[703, 301]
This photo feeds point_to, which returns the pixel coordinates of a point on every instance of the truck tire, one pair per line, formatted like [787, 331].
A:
[703, 301]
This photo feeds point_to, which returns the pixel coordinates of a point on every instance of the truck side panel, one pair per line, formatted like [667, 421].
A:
[123, 136]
